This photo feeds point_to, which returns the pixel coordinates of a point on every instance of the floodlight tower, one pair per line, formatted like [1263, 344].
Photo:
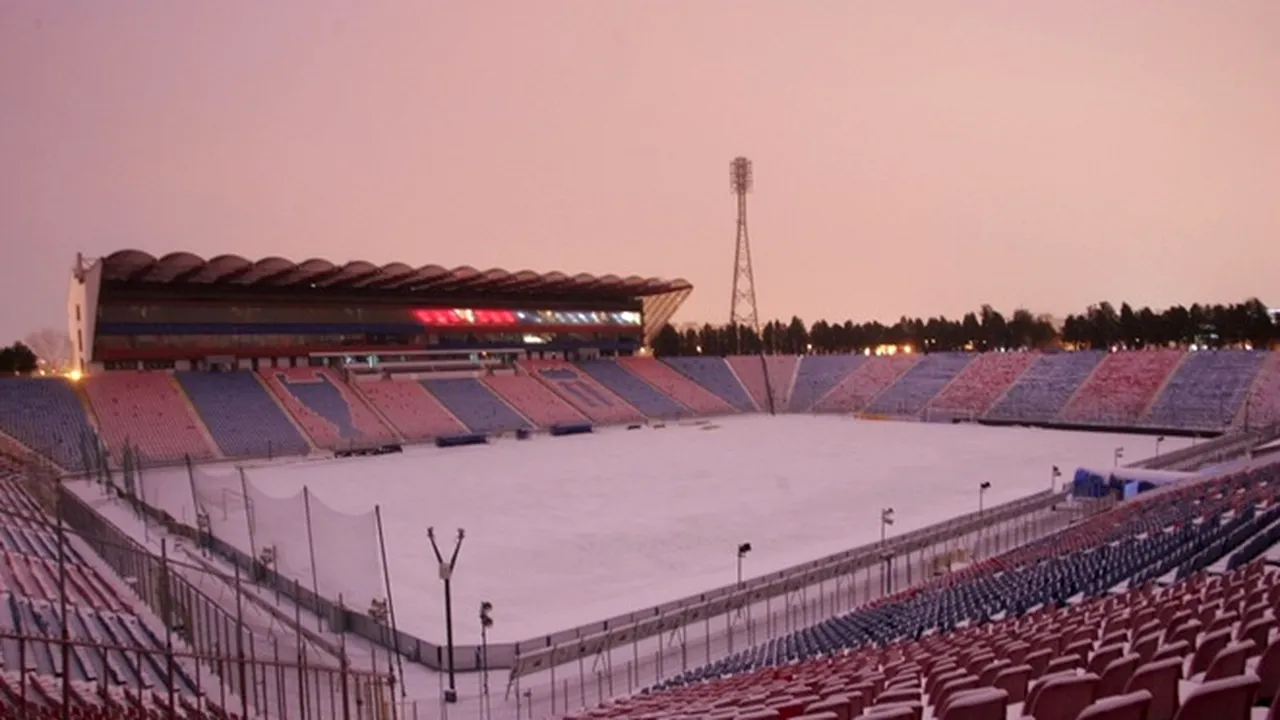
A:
[742, 308]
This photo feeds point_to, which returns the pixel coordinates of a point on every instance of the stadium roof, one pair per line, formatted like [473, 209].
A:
[661, 297]
[181, 268]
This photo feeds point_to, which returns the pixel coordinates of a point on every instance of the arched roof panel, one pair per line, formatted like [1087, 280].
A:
[182, 268]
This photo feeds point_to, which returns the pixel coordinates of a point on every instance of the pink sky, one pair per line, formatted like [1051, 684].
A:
[911, 157]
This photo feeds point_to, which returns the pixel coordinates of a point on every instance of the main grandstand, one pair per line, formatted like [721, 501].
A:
[184, 362]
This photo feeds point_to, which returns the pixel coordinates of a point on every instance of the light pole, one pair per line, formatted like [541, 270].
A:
[743, 549]
[886, 519]
[486, 622]
[1159, 440]
[1053, 478]
[982, 490]
[446, 574]
[1119, 455]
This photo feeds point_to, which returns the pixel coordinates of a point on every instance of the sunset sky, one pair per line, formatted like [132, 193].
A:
[910, 157]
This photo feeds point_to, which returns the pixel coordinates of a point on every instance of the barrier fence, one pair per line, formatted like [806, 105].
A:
[116, 677]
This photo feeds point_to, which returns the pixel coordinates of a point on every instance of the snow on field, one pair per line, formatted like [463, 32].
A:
[565, 531]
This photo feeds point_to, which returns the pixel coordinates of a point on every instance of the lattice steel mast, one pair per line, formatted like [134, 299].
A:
[742, 308]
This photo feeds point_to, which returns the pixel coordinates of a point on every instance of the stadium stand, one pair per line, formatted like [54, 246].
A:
[241, 415]
[582, 391]
[676, 386]
[326, 408]
[1066, 625]
[47, 416]
[776, 373]
[816, 376]
[912, 392]
[1046, 387]
[534, 400]
[861, 386]
[716, 375]
[1207, 390]
[147, 412]
[116, 646]
[980, 385]
[414, 412]
[472, 402]
[1263, 406]
[1122, 387]
[640, 394]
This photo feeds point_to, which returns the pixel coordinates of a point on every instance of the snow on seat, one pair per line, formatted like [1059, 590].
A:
[817, 375]
[918, 385]
[1122, 387]
[861, 386]
[47, 416]
[242, 417]
[148, 412]
[582, 391]
[1263, 406]
[640, 394]
[716, 375]
[761, 374]
[406, 404]
[676, 386]
[982, 383]
[476, 405]
[326, 408]
[1042, 391]
[534, 400]
[1207, 390]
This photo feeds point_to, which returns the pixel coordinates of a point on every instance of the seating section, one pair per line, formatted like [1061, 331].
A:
[326, 408]
[406, 404]
[241, 415]
[640, 394]
[1263, 407]
[982, 383]
[676, 386]
[47, 416]
[925, 379]
[872, 377]
[147, 412]
[534, 400]
[716, 375]
[581, 391]
[472, 402]
[1046, 387]
[1122, 387]
[774, 373]
[817, 375]
[116, 647]
[1207, 390]
[1066, 626]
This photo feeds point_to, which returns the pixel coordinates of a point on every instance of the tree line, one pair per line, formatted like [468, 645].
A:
[17, 359]
[1099, 327]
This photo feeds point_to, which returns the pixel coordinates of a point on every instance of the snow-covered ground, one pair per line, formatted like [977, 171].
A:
[565, 531]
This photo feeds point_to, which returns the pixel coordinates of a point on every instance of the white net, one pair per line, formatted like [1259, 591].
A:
[345, 545]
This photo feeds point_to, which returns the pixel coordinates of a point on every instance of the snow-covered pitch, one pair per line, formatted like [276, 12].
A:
[565, 531]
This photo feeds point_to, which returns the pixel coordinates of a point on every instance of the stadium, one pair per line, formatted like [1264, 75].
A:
[282, 489]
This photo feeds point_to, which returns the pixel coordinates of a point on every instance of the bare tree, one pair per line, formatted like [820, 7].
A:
[53, 347]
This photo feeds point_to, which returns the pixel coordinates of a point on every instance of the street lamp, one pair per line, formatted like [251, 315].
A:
[1119, 456]
[446, 574]
[982, 490]
[886, 519]
[743, 549]
[486, 622]
[1053, 477]
[1159, 440]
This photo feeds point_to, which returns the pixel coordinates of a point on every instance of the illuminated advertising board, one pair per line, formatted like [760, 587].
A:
[460, 318]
